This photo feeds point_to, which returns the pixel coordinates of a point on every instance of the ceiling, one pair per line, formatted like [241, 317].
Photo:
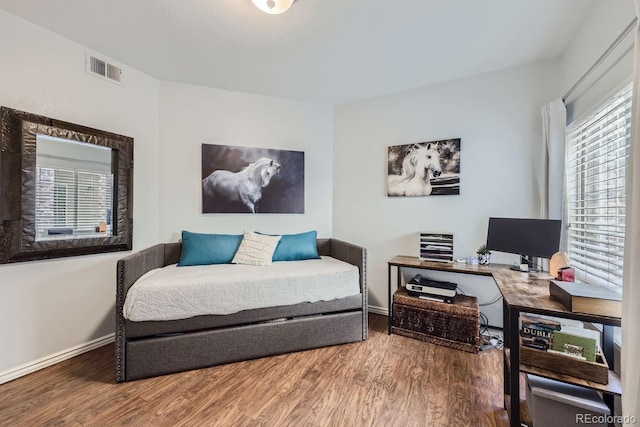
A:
[328, 51]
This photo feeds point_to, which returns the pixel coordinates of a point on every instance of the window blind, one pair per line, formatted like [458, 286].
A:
[72, 202]
[597, 153]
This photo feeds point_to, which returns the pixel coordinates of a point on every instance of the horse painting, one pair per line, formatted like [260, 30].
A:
[420, 164]
[245, 186]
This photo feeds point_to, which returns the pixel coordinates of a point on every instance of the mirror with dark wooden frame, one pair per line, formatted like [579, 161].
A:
[65, 189]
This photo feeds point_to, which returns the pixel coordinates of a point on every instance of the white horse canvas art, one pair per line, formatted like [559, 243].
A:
[423, 169]
[251, 180]
[244, 186]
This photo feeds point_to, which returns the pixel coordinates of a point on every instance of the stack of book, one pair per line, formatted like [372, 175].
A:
[434, 290]
[537, 332]
[546, 334]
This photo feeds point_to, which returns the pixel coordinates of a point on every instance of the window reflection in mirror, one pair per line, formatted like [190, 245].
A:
[74, 189]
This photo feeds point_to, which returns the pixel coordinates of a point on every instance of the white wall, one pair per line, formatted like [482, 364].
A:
[50, 306]
[598, 31]
[497, 115]
[603, 25]
[192, 115]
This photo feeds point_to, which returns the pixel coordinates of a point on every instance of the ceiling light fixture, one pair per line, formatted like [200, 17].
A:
[273, 7]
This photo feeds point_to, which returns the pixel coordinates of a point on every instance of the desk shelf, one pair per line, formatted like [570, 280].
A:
[614, 387]
[409, 261]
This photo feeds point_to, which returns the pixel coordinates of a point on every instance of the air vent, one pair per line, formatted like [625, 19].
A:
[103, 69]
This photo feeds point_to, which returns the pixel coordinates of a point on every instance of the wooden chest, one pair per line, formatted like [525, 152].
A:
[455, 325]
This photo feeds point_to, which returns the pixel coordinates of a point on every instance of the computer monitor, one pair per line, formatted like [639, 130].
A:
[528, 238]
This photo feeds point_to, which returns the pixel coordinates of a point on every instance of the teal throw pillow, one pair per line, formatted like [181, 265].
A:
[296, 247]
[204, 249]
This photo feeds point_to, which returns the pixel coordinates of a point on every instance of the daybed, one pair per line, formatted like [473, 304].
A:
[151, 348]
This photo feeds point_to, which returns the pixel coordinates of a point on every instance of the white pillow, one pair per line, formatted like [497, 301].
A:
[256, 249]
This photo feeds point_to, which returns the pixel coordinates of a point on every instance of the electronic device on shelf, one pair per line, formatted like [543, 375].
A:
[529, 238]
[422, 286]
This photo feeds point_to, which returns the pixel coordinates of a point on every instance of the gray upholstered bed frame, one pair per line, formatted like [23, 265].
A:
[146, 349]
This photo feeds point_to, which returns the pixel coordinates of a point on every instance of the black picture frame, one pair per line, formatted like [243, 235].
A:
[18, 133]
[429, 168]
[282, 193]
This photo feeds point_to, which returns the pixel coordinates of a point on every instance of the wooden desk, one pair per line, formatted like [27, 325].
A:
[529, 293]
[401, 261]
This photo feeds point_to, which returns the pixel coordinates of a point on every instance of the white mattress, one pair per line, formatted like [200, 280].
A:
[172, 292]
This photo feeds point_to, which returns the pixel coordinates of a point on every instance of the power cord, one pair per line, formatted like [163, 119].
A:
[493, 341]
[484, 324]
[489, 341]
[498, 298]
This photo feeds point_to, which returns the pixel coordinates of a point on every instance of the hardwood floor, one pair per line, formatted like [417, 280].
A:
[385, 381]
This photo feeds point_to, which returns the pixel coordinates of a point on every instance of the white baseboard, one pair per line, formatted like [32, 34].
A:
[378, 310]
[47, 361]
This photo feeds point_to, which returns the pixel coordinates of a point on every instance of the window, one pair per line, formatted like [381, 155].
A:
[597, 155]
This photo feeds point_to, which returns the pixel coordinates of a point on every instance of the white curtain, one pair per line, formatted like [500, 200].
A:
[551, 175]
[631, 287]
[554, 119]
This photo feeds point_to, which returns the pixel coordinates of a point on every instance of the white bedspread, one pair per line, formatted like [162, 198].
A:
[172, 292]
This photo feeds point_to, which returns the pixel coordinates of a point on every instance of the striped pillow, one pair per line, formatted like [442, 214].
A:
[256, 249]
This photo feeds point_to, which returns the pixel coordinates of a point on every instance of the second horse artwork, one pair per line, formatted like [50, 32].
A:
[251, 180]
[424, 169]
